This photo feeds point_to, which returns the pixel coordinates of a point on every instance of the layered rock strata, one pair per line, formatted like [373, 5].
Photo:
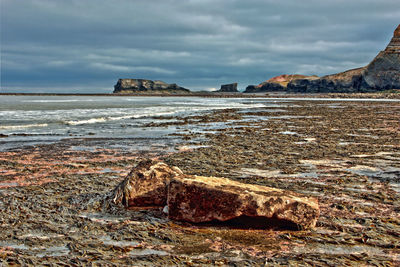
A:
[278, 83]
[142, 85]
[199, 199]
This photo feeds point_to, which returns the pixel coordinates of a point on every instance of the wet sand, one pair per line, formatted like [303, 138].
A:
[54, 207]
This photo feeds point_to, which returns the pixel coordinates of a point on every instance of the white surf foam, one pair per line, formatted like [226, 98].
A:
[17, 127]
[88, 121]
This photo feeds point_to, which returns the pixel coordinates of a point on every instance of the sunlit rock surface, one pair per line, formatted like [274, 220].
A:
[145, 185]
[278, 83]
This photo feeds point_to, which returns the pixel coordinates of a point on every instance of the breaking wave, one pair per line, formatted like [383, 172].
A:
[18, 127]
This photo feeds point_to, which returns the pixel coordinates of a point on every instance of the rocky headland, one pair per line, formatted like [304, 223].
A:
[147, 86]
[383, 73]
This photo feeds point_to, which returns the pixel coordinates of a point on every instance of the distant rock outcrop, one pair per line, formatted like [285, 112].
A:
[228, 88]
[381, 74]
[142, 85]
[278, 83]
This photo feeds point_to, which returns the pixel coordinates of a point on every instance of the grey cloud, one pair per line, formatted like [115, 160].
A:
[198, 44]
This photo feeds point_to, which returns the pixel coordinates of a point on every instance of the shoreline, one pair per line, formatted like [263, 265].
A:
[376, 95]
[346, 154]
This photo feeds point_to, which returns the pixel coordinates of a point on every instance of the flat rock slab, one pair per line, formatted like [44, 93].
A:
[201, 199]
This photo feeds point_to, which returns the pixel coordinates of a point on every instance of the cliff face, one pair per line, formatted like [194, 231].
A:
[142, 85]
[278, 83]
[348, 81]
[381, 74]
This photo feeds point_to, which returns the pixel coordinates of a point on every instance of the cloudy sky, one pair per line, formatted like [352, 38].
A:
[86, 45]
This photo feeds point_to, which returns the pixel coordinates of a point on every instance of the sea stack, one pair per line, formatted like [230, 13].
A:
[228, 88]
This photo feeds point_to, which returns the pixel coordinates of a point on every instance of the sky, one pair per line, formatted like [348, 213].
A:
[85, 46]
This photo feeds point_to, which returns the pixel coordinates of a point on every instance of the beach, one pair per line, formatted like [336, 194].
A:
[55, 179]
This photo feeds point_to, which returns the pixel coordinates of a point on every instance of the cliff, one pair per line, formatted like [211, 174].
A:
[146, 86]
[382, 73]
[278, 83]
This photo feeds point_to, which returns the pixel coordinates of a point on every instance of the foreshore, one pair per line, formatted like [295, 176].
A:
[54, 207]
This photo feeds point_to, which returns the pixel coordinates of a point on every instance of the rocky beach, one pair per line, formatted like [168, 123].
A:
[55, 197]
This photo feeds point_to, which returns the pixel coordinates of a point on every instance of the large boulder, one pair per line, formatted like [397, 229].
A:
[200, 199]
[143, 85]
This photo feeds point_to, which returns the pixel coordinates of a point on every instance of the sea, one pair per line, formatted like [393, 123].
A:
[114, 121]
[31, 120]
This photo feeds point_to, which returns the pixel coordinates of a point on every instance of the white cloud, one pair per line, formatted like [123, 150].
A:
[121, 68]
[60, 63]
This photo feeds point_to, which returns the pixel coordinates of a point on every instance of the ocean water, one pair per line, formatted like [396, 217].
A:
[30, 120]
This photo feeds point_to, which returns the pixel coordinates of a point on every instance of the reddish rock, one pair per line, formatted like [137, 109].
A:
[200, 199]
[145, 185]
[284, 79]
[277, 83]
[397, 31]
